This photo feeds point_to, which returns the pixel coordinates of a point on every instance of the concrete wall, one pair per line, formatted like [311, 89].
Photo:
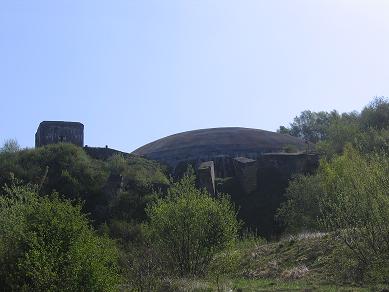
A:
[52, 132]
[206, 176]
[246, 173]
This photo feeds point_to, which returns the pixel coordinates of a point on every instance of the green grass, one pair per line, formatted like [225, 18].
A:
[250, 285]
[320, 261]
[310, 258]
[308, 262]
[278, 285]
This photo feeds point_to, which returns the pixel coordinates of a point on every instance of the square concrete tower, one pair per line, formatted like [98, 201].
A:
[52, 132]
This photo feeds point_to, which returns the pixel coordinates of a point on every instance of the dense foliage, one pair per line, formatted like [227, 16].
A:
[62, 167]
[164, 229]
[114, 192]
[188, 227]
[309, 125]
[349, 194]
[47, 244]
[355, 204]
[10, 146]
[367, 130]
[301, 211]
[117, 189]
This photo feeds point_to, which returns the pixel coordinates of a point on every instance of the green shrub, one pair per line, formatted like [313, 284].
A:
[355, 204]
[137, 170]
[223, 265]
[47, 244]
[145, 268]
[189, 227]
[118, 188]
[10, 146]
[376, 114]
[301, 209]
[349, 196]
[65, 168]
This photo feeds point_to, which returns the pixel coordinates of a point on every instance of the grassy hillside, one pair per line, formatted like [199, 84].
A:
[109, 188]
[305, 262]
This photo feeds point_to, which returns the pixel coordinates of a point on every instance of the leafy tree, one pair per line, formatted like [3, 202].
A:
[340, 131]
[145, 268]
[309, 125]
[47, 244]
[349, 196]
[189, 226]
[10, 146]
[301, 210]
[376, 114]
[223, 265]
[368, 131]
[355, 204]
[373, 140]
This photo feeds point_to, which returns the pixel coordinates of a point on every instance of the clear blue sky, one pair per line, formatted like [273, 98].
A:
[137, 70]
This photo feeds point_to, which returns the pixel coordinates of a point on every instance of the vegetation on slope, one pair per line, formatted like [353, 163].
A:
[189, 227]
[167, 231]
[47, 244]
[349, 194]
[368, 130]
[313, 261]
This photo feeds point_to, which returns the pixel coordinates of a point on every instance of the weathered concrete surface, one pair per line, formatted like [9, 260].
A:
[207, 144]
[246, 173]
[206, 176]
[52, 132]
[250, 165]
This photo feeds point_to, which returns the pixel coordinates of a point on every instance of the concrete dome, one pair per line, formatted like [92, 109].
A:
[208, 143]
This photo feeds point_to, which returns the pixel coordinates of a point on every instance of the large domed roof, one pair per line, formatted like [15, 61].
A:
[207, 143]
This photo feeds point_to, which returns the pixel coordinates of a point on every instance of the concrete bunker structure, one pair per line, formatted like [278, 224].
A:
[253, 166]
[241, 153]
[52, 132]
[206, 176]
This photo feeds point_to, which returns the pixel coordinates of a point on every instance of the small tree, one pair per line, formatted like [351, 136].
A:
[47, 244]
[223, 264]
[189, 227]
[310, 125]
[376, 114]
[300, 212]
[355, 203]
[10, 146]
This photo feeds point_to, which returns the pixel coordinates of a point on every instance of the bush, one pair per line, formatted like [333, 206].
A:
[144, 267]
[65, 168]
[118, 188]
[355, 204]
[189, 227]
[349, 196]
[10, 146]
[224, 265]
[47, 244]
[376, 114]
[301, 210]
